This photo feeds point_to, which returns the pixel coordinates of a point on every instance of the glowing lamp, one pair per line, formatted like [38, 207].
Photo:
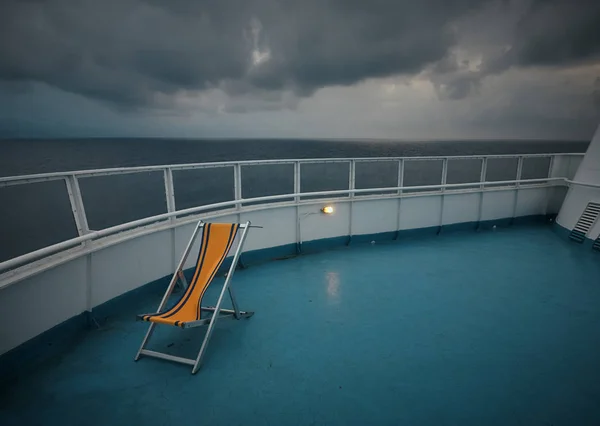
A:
[327, 209]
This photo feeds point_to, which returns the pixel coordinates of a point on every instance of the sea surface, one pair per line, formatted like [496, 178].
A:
[36, 215]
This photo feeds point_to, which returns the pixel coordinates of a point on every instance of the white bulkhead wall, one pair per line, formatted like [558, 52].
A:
[579, 196]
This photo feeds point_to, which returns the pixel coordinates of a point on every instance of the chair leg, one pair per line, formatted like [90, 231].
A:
[146, 338]
[236, 308]
[209, 331]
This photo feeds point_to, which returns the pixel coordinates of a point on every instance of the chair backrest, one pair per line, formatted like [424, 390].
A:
[217, 240]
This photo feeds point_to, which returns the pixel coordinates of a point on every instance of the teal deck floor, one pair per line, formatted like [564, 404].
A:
[488, 328]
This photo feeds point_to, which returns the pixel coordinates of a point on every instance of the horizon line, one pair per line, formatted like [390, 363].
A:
[299, 139]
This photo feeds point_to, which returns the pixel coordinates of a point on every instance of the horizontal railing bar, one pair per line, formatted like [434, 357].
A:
[577, 183]
[18, 180]
[8, 264]
[41, 177]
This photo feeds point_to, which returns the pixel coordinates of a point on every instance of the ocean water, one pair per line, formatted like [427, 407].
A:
[37, 215]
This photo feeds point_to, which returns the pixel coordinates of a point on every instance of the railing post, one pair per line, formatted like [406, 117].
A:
[550, 189]
[400, 184]
[83, 228]
[351, 185]
[400, 175]
[517, 186]
[444, 172]
[297, 190]
[483, 175]
[519, 170]
[352, 176]
[77, 205]
[482, 178]
[444, 179]
[551, 166]
[171, 207]
[169, 190]
[297, 180]
[237, 184]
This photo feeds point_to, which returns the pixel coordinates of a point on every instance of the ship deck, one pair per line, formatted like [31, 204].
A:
[472, 328]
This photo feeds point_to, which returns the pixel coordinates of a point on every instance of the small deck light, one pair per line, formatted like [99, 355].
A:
[327, 209]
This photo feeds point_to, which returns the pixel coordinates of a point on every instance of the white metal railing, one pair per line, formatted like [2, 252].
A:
[85, 234]
[44, 177]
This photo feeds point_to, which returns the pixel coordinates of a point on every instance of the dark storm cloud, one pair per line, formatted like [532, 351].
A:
[343, 42]
[126, 51]
[546, 33]
[133, 52]
[121, 51]
[556, 32]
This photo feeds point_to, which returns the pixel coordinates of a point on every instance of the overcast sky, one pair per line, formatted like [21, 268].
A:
[403, 69]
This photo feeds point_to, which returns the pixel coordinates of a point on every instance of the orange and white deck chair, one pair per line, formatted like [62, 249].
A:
[217, 241]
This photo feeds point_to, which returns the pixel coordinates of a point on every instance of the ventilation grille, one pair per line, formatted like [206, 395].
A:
[585, 223]
[596, 245]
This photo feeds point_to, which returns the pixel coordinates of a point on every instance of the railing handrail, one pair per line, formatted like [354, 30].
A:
[40, 177]
[49, 250]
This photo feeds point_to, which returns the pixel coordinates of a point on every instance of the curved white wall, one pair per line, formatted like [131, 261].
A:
[40, 302]
[579, 196]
